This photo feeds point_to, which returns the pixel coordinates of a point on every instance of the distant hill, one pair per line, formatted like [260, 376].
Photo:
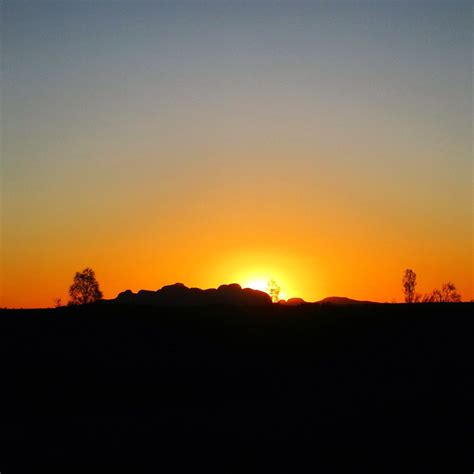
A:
[342, 300]
[180, 295]
[335, 300]
[233, 294]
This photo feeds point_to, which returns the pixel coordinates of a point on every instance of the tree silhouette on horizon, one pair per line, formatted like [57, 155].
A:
[85, 288]
[273, 289]
[409, 284]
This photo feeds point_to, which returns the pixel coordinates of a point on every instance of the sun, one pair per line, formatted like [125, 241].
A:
[260, 284]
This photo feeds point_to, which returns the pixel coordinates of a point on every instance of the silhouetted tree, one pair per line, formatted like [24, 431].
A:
[58, 302]
[447, 294]
[273, 289]
[85, 288]
[409, 284]
[427, 298]
[436, 296]
[450, 295]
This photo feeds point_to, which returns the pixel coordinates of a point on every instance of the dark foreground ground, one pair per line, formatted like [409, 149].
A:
[225, 389]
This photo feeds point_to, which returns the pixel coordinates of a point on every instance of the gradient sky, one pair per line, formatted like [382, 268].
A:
[325, 144]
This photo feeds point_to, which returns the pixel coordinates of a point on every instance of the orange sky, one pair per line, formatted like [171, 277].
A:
[329, 148]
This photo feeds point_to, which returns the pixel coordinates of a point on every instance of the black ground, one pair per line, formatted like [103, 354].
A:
[228, 389]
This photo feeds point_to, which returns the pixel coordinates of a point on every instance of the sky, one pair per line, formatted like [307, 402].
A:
[327, 145]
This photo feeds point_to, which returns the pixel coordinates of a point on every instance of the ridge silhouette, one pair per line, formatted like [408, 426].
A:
[180, 295]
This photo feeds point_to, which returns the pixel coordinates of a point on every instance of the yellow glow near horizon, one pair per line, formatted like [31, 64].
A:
[261, 284]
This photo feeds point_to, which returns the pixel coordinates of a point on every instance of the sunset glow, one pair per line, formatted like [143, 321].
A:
[260, 285]
[328, 147]
[236, 234]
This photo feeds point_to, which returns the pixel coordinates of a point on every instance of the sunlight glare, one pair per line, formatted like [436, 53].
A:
[260, 284]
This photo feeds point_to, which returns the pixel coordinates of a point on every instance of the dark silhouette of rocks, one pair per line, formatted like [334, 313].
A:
[292, 302]
[233, 294]
[180, 295]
